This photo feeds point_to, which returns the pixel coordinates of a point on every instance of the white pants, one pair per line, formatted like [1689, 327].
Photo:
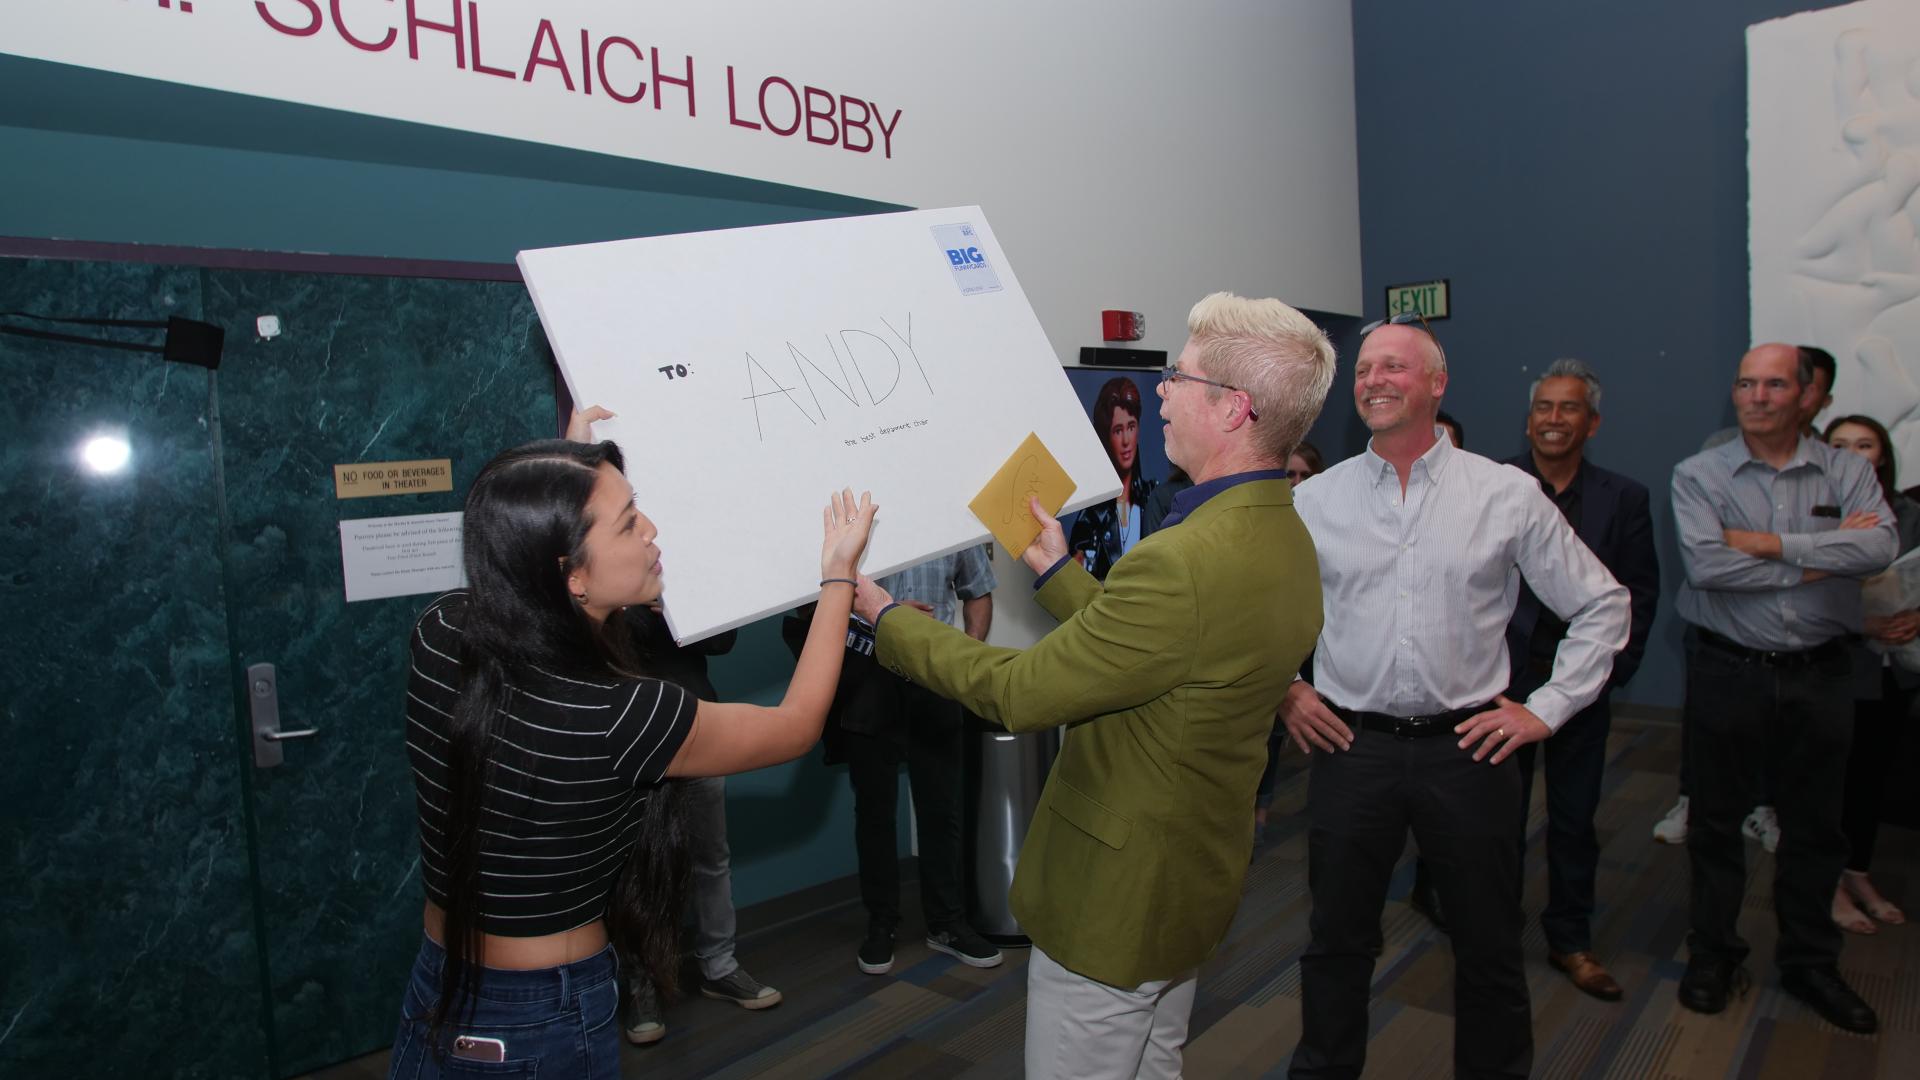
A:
[1080, 1029]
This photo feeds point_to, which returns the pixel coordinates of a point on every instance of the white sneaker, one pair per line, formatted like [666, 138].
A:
[1762, 825]
[1672, 829]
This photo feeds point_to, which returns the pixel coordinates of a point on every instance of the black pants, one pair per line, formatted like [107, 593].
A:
[1877, 727]
[1576, 759]
[1753, 727]
[927, 733]
[1689, 643]
[1362, 802]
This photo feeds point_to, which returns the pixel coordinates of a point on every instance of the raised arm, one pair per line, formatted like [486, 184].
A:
[736, 737]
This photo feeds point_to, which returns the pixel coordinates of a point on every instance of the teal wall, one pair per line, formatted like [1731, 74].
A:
[123, 189]
[94, 157]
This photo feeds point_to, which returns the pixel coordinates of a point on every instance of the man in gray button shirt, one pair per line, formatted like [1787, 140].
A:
[1775, 531]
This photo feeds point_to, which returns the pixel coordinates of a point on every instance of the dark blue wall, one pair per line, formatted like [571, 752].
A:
[1578, 170]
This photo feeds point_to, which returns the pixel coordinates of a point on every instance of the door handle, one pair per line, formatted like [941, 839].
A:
[263, 703]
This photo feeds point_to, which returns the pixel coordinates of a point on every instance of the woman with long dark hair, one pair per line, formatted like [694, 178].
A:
[1883, 700]
[539, 748]
[1103, 533]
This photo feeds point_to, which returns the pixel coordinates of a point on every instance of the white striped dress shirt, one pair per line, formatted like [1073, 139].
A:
[1419, 587]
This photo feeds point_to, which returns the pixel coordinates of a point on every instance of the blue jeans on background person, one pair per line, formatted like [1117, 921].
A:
[558, 1021]
[711, 880]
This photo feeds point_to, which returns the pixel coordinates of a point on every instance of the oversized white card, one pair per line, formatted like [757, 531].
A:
[754, 371]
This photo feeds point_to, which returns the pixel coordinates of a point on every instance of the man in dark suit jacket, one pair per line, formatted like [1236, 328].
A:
[1610, 514]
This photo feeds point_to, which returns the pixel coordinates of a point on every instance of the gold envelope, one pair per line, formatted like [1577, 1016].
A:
[1002, 505]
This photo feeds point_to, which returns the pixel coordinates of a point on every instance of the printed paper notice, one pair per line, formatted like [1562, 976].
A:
[1032, 472]
[401, 556]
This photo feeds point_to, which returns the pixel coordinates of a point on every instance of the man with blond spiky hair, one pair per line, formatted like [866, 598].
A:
[1166, 676]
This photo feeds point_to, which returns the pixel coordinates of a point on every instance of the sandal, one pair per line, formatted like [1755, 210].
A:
[1850, 918]
[1887, 912]
[1868, 899]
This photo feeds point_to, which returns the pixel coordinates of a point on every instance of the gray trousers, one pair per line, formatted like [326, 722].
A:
[1080, 1029]
[712, 876]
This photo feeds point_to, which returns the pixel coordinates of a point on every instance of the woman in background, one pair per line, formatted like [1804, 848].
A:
[1103, 533]
[538, 750]
[1304, 462]
[1883, 700]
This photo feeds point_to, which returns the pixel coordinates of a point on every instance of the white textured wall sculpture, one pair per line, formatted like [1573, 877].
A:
[1833, 138]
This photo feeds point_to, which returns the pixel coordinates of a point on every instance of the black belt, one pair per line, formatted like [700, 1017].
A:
[1407, 727]
[1832, 649]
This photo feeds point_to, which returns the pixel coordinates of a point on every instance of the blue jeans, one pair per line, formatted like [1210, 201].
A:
[711, 866]
[556, 1022]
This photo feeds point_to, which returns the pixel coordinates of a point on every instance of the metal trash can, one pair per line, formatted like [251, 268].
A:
[1012, 771]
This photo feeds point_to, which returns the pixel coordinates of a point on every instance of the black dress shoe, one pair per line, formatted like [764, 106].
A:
[1826, 993]
[1708, 983]
[1425, 900]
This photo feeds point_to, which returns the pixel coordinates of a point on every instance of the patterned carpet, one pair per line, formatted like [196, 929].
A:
[933, 1018]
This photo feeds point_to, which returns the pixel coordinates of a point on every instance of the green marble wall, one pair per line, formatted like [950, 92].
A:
[125, 880]
[128, 924]
[167, 909]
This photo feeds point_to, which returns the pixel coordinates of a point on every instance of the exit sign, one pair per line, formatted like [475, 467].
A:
[1429, 298]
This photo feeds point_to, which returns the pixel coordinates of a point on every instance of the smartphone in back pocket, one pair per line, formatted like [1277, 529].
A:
[476, 1048]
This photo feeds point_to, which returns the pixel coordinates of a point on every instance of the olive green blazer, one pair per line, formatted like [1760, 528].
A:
[1167, 677]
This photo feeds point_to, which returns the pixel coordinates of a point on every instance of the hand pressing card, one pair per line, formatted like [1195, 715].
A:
[1032, 472]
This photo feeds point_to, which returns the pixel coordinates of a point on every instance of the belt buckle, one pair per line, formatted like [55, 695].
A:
[1408, 728]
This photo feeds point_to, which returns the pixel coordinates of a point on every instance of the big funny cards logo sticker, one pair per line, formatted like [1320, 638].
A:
[971, 270]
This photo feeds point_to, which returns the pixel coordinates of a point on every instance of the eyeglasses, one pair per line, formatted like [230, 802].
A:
[1408, 318]
[1172, 374]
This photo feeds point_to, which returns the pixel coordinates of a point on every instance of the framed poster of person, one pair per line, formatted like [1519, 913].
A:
[1122, 407]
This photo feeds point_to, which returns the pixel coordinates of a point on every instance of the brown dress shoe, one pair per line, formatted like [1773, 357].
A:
[1586, 973]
